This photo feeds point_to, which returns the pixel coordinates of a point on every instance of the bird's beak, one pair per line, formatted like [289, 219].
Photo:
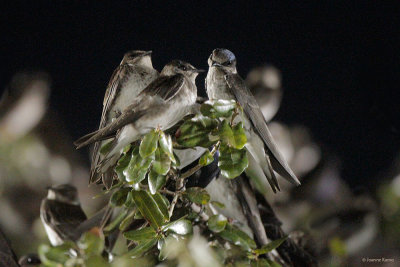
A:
[215, 64]
[147, 53]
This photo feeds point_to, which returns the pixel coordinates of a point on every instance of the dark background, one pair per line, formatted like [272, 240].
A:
[340, 62]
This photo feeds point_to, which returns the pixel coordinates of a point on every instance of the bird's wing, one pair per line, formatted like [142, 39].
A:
[165, 87]
[66, 213]
[113, 87]
[156, 93]
[252, 110]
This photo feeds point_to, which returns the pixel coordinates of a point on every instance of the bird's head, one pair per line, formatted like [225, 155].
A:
[138, 57]
[181, 67]
[65, 193]
[224, 59]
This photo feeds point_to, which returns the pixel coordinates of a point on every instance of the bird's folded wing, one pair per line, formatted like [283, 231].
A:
[113, 87]
[165, 87]
[252, 110]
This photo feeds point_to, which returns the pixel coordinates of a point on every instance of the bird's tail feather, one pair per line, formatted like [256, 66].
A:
[90, 138]
[287, 175]
[85, 140]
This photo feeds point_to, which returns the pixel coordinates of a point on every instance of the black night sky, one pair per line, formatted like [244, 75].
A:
[340, 62]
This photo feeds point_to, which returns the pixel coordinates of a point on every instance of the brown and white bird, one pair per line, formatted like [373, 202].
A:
[128, 80]
[223, 82]
[161, 104]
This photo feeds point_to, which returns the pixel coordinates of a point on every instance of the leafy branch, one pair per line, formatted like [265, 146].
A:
[154, 206]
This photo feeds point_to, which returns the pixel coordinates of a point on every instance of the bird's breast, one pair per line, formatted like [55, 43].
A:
[217, 88]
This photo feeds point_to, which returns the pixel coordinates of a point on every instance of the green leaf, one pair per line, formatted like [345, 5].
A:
[239, 135]
[156, 181]
[119, 197]
[232, 162]
[218, 108]
[273, 263]
[116, 222]
[206, 159]
[180, 226]
[148, 144]
[162, 162]
[207, 110]
[127, 221]
[197, 195]
[196, 132]
[223, 107]
[92, 242]
[138, 167]
[96, 261]
[162, 203]
[270, 246]
[141, 235]
[129, 201]
[53, 256]
[238, 237]
[161, 247]
[260, 263]
[217, 223]
[234, 137]
[149, 208]
[218, 204]
[165, 143]
[141, 248]
[121, 166]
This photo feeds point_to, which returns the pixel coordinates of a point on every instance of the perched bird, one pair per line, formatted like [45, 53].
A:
[134, 73]
[161, 104]
[61, 213]
[266, 86]
[223, 82]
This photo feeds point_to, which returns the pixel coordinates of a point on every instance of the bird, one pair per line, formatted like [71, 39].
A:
[61, 213]
[223, 82]
[162, 104]
[265, 83]
[134, 73]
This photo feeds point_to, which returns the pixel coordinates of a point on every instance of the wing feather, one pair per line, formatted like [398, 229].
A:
[252, 110]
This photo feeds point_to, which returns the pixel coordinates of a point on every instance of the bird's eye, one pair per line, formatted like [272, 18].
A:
[227, 63]
[183, 68]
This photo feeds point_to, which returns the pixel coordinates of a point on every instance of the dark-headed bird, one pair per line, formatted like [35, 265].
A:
[223, 82]
[160, 105]
[134, 73]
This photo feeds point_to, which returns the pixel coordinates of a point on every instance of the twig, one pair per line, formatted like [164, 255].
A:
[173, 203]
[197, 209]
[190, 172]
[168, 192]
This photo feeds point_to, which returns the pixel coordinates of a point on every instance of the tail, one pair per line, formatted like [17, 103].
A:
[96, 136]
[85, 140]
[260, 166]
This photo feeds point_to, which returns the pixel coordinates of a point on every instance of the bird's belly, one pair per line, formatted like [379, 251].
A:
[55, 240]
[163, 117]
